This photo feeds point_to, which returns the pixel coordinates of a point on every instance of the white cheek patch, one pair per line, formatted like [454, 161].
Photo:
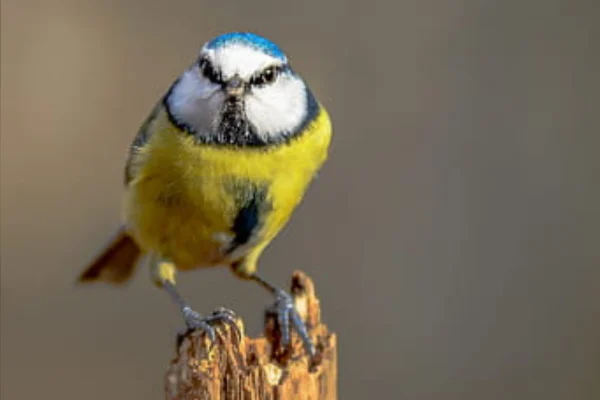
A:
[241, 60]
[277, 108]
[196, 101]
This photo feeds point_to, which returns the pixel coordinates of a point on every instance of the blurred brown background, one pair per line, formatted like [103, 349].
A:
[454, 235]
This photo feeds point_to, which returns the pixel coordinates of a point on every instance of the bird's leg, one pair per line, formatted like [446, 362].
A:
[287, 316]
[163, 273]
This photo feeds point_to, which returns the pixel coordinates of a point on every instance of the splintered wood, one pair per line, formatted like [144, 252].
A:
[257, 368]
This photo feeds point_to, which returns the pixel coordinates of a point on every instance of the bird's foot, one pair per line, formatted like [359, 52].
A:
[288, 318]
[195, 321]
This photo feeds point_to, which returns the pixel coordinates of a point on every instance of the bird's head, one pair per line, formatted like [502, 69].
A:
[241, 90]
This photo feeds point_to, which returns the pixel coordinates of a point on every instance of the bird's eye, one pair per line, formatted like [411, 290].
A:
[208, 71]
[269, 75]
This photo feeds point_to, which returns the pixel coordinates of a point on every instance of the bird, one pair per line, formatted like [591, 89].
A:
[215, 173]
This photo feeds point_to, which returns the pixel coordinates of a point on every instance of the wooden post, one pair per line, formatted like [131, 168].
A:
[257, 368]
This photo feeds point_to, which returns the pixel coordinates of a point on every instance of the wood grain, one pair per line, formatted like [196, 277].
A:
[257, 368]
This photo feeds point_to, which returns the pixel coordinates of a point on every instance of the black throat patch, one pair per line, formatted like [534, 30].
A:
[233, 128]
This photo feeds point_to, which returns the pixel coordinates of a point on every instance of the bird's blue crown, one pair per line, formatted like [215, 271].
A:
[248, 39]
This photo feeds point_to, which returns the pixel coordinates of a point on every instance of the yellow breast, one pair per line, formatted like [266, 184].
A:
[184, 197]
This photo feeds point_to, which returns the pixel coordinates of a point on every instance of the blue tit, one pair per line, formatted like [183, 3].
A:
[216, 171]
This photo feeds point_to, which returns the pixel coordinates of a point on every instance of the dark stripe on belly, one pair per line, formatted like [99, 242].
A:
[253, 205]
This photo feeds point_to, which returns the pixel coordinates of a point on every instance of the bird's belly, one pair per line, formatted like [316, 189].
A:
[191, 231]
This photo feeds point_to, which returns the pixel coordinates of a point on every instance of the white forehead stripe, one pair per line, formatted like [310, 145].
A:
[239, 59]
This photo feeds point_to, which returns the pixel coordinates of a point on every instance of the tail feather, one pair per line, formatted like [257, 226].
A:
[116, 263]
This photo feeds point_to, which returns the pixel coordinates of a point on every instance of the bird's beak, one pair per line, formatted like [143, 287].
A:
[235, 86]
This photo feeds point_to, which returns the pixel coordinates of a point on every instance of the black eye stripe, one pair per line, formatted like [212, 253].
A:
[208, 71]
[266, 76]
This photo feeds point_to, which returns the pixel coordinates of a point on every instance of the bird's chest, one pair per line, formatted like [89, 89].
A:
[205, 210]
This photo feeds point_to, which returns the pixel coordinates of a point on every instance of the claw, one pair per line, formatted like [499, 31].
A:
[283, 317]
[287, 318]
[228, 316]
[195, 321]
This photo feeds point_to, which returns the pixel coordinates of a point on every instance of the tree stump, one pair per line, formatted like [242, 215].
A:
[244, 368]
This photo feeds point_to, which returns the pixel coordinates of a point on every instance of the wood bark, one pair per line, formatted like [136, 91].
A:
[244, 368]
